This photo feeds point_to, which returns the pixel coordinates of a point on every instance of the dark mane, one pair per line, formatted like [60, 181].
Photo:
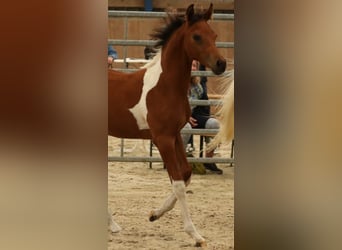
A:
[163, 34]
[172, 23]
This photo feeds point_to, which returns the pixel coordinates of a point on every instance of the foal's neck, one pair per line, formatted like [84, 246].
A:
[176, 61]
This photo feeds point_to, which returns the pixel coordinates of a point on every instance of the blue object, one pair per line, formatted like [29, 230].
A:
[148, 5]
[112, 52]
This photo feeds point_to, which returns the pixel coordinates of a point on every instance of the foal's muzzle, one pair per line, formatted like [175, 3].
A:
[220, 67]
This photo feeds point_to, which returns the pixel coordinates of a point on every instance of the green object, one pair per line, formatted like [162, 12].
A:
[198, 168]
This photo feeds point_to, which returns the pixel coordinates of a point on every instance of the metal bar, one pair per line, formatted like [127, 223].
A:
[205, 102]
[122, 147]
[224, 44]
[151, 152]
[158, 159]
[123, 42]
[198, 131]
[155, 14]
[193, 73]
[125, 38]
[201, 146]
[232, 151]
[210, 73]
[131, 60]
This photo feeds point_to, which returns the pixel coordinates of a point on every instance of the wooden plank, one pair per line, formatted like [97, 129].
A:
[126, 3]
[179, 4]
[215, 96]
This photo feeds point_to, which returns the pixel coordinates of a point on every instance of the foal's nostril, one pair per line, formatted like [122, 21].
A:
[221, 65]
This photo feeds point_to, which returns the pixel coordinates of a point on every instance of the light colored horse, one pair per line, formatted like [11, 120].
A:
[226, 112]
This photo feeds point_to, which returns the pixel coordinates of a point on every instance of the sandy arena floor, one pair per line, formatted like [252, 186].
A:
[134, 190]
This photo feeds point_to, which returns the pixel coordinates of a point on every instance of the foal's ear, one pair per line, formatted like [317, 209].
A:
[190, 12]
[208, 13]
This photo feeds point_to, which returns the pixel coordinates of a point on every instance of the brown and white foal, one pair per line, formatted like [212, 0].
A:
[152, 103]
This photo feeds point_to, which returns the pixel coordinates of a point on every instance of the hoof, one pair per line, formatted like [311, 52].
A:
[153, 217]
[115, 228]
[202, 244]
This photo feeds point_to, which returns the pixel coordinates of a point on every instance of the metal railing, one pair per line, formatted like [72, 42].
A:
[124, 42]
[193, 73]
[155, 14]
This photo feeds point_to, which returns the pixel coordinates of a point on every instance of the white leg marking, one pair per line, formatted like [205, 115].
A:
[167, 206]
[151, 79]
[179, 191]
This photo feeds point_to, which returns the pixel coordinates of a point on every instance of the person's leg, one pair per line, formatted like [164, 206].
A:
[186, 137]
[211, 123]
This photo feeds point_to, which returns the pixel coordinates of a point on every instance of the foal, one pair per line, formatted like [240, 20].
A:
[152, 103]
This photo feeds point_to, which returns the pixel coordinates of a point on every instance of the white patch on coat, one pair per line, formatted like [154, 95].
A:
[151, 79]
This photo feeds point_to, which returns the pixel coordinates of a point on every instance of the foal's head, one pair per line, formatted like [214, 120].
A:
[199, 40]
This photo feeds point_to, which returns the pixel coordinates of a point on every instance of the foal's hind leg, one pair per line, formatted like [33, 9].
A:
[171, 199]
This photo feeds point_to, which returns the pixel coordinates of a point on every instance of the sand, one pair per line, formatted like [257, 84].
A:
[134, 190]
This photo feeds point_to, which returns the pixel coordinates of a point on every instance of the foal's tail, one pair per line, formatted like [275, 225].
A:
[226, 112]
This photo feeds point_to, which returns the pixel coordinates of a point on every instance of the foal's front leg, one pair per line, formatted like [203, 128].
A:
[172, 152]
[167, 206]
[171, 199]
[179, 190]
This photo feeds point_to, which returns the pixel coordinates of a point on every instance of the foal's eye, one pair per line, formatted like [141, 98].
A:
[197, 38]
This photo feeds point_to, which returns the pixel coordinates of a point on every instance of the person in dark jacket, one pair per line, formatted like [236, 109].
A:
[200, 115]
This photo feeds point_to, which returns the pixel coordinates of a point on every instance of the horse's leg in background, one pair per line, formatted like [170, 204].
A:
[113, 226]
[173, 154]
